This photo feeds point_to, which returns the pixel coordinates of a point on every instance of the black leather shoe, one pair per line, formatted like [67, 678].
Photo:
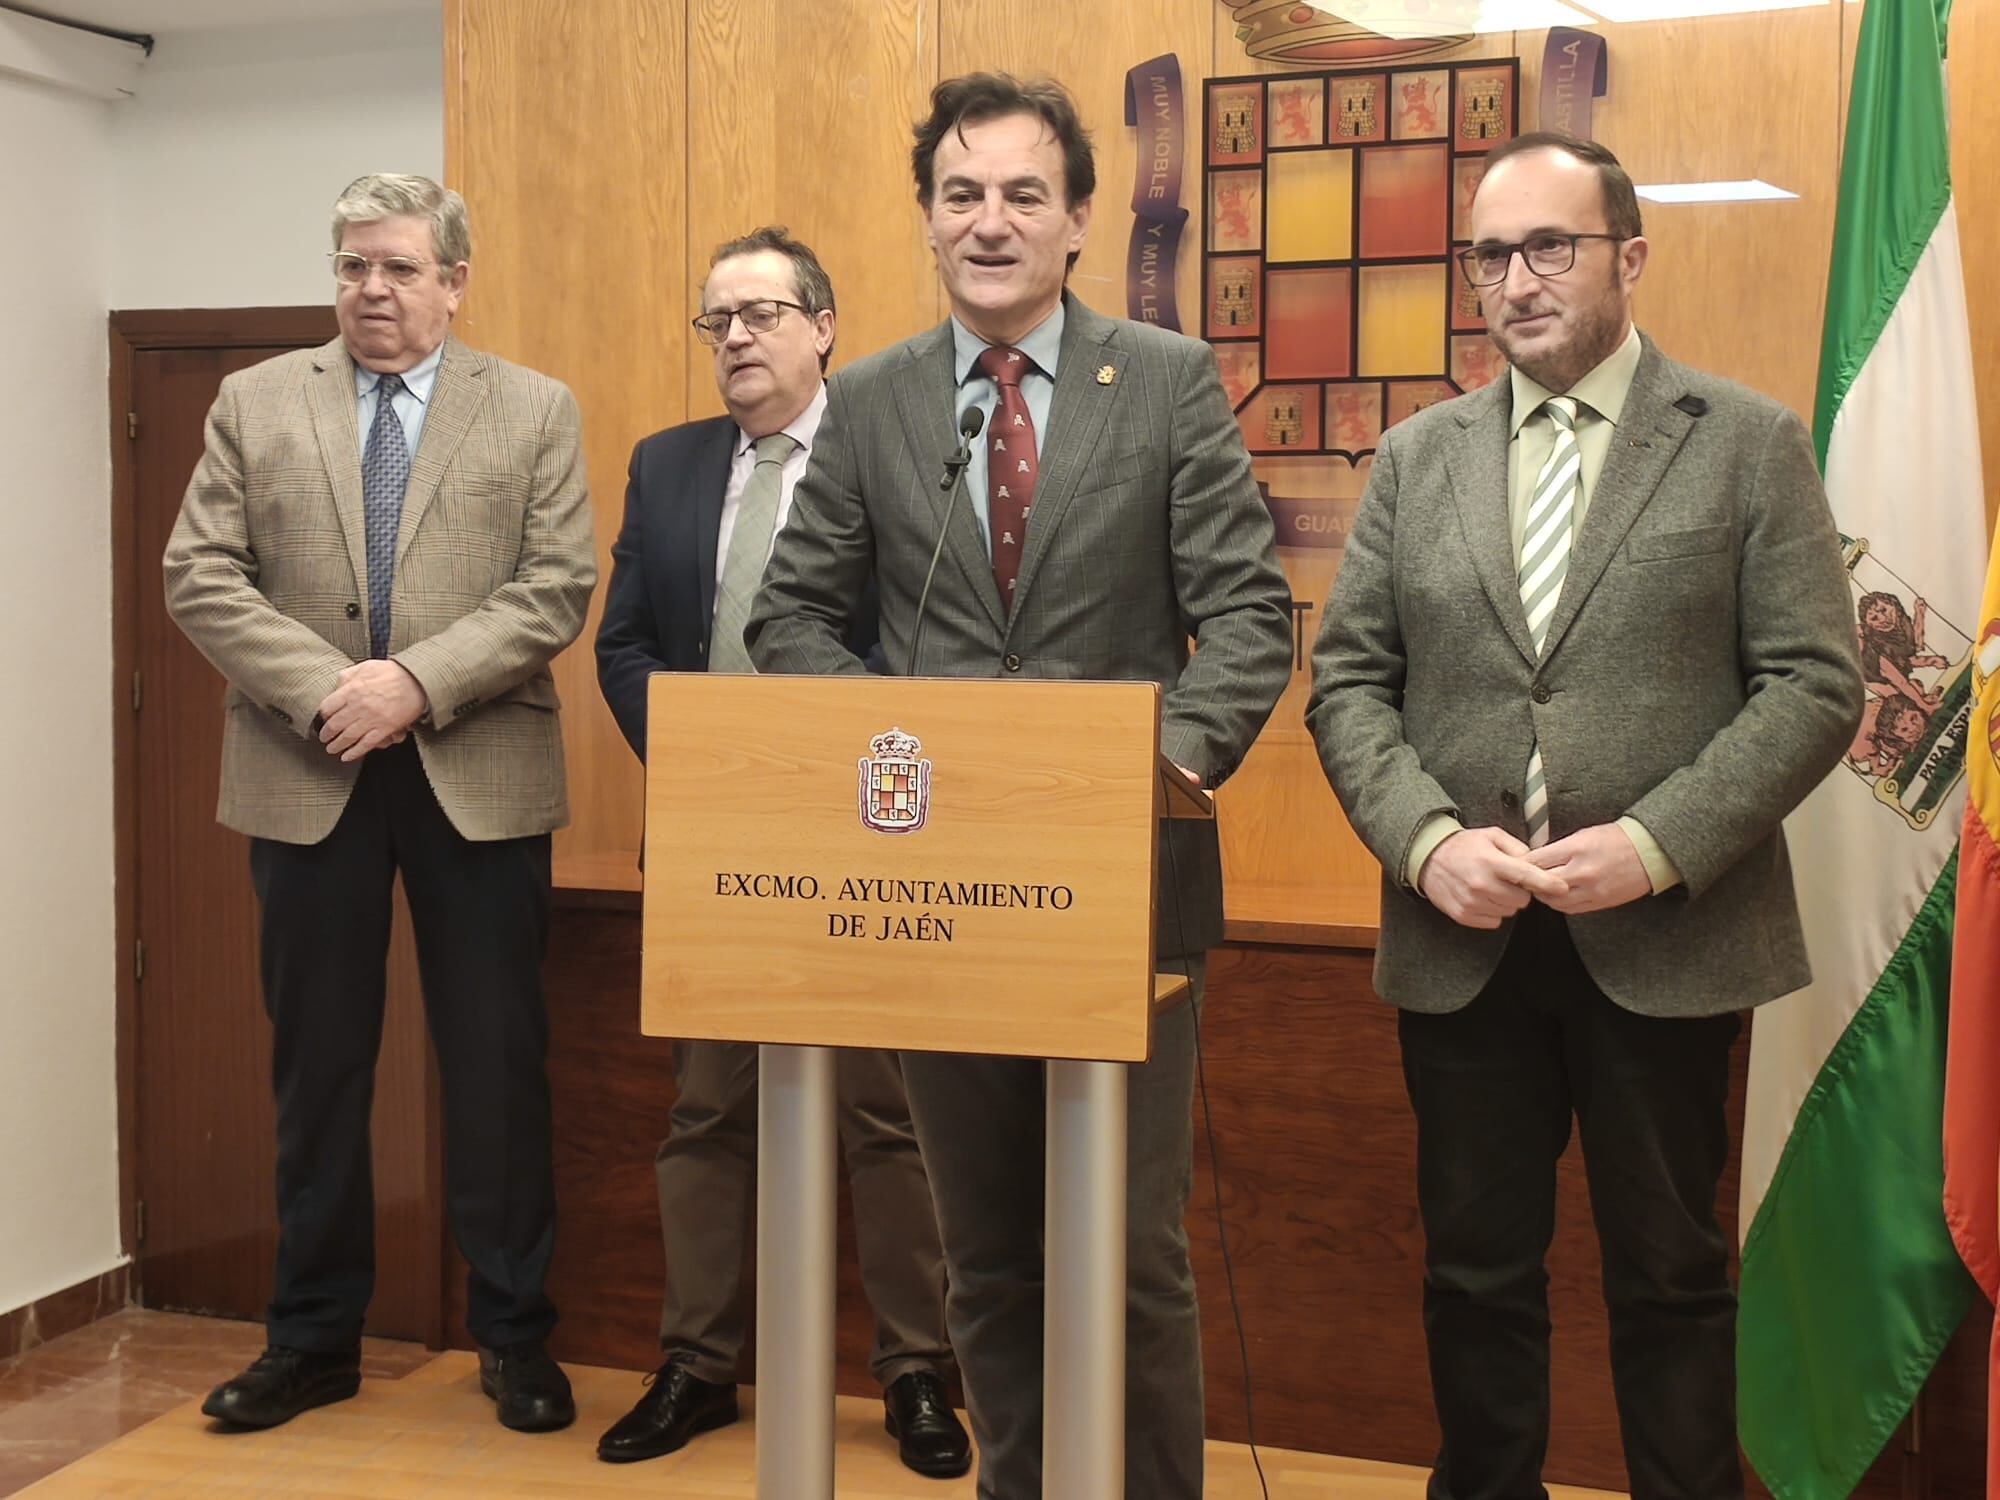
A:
[929, 1437]
[281, 1383]
[674, 1408]
[530, 1388]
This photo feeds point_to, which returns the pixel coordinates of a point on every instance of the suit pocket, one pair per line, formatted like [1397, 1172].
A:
[1664, 546]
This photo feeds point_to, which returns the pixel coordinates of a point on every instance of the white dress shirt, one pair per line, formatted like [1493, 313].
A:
[743, 460]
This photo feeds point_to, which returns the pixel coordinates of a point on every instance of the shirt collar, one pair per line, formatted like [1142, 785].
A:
[1603, 390]
[1043, 345]
[801, 429]
[419, 378]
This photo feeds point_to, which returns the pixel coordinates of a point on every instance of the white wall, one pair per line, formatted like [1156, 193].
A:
[210, 188]
[58, 1083]
[239, 140]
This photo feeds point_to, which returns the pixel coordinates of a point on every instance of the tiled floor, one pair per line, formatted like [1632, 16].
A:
[74, 1394]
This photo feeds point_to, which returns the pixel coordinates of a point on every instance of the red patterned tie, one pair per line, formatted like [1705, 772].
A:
[1010, 466]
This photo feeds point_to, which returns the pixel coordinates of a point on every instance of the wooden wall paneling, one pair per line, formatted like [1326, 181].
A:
[566, 130]
[1090, 48]
[1318, 1155]
[1295, 870]
[1317, 1152]
[803, 119]
[1975, 170]
[1737, 289]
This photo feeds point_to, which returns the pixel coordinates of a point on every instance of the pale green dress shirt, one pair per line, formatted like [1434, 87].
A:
[1600, 397]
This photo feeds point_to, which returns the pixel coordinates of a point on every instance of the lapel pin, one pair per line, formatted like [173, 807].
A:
[1106, 374]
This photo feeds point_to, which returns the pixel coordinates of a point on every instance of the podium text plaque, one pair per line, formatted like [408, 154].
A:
[1015, 917]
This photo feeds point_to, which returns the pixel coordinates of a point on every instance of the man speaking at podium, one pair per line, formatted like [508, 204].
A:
[1105, 513]
[704, 502]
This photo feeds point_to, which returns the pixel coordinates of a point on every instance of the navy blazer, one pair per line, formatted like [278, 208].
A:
[661, 601]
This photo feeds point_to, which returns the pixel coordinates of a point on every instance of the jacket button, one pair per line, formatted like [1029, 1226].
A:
[353, 610]
[1541, 694]
[1012, 663]
[1509, 801]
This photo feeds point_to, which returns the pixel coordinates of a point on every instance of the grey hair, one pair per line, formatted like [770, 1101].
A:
[393, 195]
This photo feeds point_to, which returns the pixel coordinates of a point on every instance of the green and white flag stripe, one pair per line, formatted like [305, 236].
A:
[1850, 1283]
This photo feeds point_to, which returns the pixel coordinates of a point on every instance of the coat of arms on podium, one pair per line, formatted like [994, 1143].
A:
[895, 783]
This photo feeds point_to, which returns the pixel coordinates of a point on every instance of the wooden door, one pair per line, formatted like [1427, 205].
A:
[201, 1126]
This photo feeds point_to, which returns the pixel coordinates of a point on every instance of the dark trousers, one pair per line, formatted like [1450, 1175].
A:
[981, 1121]
[480, 912]
[1494, 1086]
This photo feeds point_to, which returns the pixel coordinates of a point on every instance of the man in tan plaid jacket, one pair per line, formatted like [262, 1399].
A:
[385, 542]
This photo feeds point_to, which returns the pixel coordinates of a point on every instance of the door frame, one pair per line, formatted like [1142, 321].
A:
[131, 332]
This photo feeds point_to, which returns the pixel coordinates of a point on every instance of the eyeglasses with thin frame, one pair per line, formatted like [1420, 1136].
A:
[1546, 255]
[350, 269]
[759, 316]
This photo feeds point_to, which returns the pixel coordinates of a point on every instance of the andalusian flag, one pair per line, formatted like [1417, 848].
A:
[1851, 1284]
[1972, 1077]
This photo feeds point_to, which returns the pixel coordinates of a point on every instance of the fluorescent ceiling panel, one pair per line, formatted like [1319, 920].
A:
[1676, 10]
[1753, 191]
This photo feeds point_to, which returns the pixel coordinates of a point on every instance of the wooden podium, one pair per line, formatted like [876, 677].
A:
[950, 865]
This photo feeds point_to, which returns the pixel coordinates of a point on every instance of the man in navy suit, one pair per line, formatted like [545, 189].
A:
[704, 502]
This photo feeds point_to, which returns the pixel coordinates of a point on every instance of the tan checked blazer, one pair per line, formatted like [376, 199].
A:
[266, 572]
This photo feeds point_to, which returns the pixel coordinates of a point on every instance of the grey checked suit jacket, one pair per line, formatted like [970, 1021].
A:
[1700, 674]
[266, 572]
[1147, 528]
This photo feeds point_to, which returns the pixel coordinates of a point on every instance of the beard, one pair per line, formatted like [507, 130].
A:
[1590, 334]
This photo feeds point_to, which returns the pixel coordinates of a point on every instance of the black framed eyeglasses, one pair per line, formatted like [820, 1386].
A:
[350, 269]
[1545, 254]
[759, 316]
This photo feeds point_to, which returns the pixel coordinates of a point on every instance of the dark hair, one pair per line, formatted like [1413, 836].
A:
[958, 102]
[810, 283]
[1621, 203]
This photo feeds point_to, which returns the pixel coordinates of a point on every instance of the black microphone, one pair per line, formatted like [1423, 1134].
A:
[968, 429]
[953, 480]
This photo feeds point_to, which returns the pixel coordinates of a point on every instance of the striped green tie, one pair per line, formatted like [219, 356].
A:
[1544, 564]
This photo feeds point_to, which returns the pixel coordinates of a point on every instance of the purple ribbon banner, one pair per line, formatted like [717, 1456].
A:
[1156, 106]
[1576, 66]
[1310, 522]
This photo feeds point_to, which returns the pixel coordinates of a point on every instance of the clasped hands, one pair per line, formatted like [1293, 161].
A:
[373, 707]
[1479, 877]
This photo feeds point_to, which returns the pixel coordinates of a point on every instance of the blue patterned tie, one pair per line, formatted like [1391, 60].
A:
[385, 474]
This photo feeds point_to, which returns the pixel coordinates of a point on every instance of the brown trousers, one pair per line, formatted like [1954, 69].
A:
[707, 1172]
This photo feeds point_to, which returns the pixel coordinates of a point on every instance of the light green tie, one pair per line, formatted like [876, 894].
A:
[749, 550]
[1544, 564]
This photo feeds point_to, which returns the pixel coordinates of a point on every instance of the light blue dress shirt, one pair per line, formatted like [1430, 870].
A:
[1038, 389]
[410, 401]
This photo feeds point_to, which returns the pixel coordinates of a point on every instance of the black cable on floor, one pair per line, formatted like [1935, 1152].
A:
[1215, 1184]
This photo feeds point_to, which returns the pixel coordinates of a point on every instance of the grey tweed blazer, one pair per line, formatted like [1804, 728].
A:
[1700, 674]
[1147, 529]
[266, 572]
